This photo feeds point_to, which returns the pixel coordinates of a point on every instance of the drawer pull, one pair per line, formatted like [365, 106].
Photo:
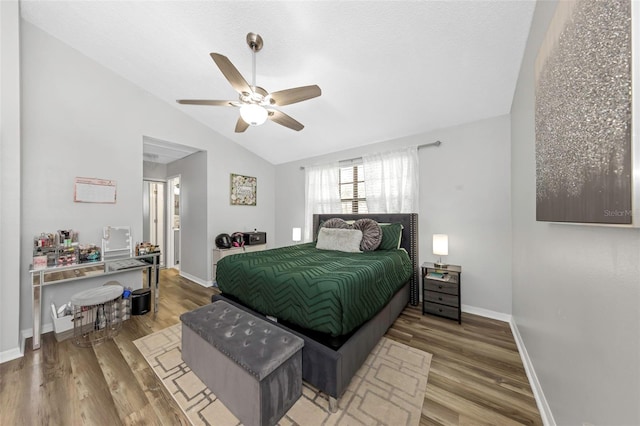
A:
[439, 286]
[440, 310]
[439, 298]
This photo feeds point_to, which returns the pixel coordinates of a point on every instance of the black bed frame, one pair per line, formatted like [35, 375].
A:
[330, 366]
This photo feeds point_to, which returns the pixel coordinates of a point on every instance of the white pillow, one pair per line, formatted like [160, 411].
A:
[347, 240]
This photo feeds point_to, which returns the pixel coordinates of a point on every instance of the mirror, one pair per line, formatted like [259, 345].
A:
[116, 242]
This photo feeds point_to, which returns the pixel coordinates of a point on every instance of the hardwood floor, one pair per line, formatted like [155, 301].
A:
[476, 375]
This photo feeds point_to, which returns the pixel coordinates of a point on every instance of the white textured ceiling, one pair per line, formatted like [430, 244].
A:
[387, 69]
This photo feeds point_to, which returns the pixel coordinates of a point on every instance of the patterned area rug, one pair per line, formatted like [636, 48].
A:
[387, 390]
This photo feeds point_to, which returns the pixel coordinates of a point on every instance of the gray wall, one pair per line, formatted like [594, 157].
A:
[576, 289]
[9, 179]
[193, 212]
[81, 119]
[464, 192]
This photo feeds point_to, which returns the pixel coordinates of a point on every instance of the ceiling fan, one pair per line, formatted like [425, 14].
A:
[255, 103]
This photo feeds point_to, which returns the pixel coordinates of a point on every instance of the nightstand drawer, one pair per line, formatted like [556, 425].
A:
[441, 286]
[442, 310]
[445, 299]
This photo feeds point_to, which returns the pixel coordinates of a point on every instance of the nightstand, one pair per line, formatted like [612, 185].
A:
[441, 291]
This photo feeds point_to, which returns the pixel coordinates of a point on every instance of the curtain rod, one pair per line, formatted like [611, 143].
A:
[424, 145]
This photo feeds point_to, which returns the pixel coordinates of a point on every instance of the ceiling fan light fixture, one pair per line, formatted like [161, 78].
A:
[254, 101]
[253, 115]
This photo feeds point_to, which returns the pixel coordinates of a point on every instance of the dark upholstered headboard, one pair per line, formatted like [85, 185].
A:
[409, 241]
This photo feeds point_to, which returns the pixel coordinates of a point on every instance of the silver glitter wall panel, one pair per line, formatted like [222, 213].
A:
[583, 114]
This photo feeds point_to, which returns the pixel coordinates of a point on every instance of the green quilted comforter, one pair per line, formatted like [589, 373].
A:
[327, 291]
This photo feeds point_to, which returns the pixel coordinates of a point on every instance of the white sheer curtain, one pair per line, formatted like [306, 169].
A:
[391, 181]
[322, 193]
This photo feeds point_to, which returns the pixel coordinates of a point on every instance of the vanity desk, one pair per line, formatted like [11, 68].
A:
[41, 278]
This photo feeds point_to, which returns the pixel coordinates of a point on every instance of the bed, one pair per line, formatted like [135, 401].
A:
[337, 341]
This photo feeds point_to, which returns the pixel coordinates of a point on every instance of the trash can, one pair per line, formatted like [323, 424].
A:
[140, 301]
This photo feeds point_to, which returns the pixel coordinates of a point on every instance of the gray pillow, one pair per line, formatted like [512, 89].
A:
[336, 222]
[346, 240]
[371, 234]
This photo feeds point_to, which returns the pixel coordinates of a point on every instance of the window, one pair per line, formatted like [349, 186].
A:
[352, 192]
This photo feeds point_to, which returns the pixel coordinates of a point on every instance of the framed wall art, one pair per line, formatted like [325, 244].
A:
[243, 190]
[583, 115]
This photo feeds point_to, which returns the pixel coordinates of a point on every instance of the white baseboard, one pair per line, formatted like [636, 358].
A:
[10, 354]
[196, 280]
[541, 401]
[486, 313]
[28, 332]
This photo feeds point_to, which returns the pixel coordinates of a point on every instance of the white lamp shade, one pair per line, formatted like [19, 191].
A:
[253, 115]
[297, 234]
[441, 244]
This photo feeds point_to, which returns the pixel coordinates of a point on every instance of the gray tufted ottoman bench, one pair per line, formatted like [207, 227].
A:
[252, 366]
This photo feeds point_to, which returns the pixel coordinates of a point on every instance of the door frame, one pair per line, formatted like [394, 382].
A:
[171, 243]
[163, 256]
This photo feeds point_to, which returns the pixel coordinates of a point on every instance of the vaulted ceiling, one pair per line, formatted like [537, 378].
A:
[387, 69]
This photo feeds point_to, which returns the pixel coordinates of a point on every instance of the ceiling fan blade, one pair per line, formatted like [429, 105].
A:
[298, 94]
[284, 120]
[241, 125]
[231, 73]
[205, 102]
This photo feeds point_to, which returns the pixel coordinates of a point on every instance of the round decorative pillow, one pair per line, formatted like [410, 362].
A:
[371, 234]
[336, 222]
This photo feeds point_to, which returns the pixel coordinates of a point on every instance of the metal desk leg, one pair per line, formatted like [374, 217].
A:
[36, 305]
[149, 271]
[153, 277]
[156, 273]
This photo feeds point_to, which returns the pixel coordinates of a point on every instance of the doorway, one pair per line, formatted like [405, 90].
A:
[153, 211]
[181, 169]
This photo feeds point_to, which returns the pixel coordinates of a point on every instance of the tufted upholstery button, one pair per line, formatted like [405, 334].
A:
[248, 332]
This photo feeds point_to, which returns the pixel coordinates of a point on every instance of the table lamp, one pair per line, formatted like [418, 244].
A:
[296, 235]
[440, 248]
